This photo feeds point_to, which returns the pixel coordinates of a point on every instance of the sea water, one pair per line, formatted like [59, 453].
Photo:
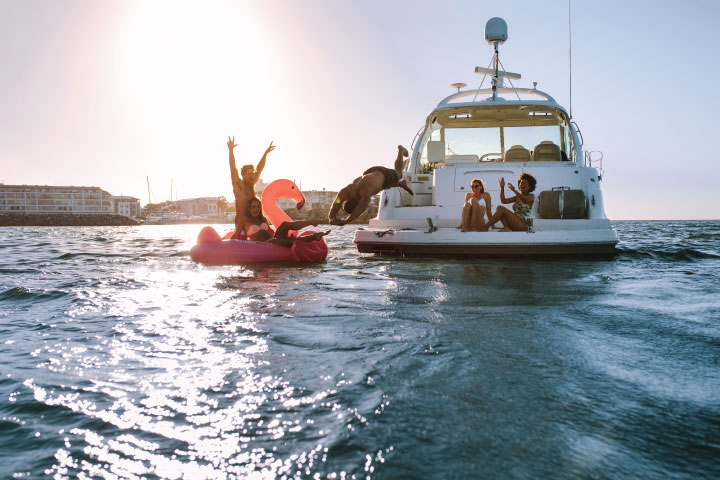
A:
[120, 358]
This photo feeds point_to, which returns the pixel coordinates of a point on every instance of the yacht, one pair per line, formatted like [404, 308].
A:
[493, 133]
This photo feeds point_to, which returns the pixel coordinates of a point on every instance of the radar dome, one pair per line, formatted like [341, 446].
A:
[496, 31]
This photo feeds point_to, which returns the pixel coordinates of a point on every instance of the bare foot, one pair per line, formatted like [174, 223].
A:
[505, 229]
[403, 150]
[314, 236]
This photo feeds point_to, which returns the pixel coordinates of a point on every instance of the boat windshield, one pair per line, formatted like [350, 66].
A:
[495, 134]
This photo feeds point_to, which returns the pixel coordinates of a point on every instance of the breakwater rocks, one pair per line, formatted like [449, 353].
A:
[63, 220]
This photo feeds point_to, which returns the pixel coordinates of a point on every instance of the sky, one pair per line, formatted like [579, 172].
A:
[109, 93]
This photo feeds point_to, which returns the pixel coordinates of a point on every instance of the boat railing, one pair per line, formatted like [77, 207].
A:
[417, 135]
[594, 158]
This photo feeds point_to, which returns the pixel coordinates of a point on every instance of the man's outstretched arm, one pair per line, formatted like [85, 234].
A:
[233, 169]
[332, 214]
[261, 164]
[361, 207]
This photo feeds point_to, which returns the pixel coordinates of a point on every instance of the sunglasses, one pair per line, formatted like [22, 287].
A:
[476, 185]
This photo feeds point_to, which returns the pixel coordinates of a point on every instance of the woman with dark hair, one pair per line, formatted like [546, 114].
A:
[518, 219]
[257, 227]
[477, 205]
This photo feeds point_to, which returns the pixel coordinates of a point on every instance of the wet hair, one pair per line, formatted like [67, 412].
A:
[350, 205]
[530, 179]
[482, 184]
[245, 168]
[247, 210]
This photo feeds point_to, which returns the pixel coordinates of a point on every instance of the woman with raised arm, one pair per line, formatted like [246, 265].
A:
[517, 220]
[244, 187]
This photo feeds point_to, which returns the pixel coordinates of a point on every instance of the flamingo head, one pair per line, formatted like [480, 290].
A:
[283, 189]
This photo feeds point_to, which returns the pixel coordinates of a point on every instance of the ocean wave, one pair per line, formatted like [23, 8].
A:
[25, 294]
[67, 256]
[17, 270]
[680, 254]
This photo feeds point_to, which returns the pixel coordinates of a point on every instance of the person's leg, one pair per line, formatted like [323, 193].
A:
[236, 233]
[489, 216]
[478, 212]
[313, 237]
[402, 184]
[283, 242]
[288, 241]
[285, 227]
[399, 162]
[465, 217]
[400, 159]
[515, 223]
[499, 215]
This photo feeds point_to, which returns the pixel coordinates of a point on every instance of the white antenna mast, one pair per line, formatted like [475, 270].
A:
[496, 34]
[570, 55]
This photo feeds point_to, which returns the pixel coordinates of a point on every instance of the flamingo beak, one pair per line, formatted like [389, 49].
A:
[300, 204]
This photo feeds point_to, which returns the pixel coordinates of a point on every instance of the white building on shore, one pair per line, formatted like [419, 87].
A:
[54, 199]
[200, 207]
[127, 206]
[314, 199]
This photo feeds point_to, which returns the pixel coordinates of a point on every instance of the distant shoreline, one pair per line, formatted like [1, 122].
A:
[113, 220]
[64, 220]
[99, 220]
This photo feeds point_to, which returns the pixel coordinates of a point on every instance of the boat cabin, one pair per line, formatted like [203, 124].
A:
[502, 133]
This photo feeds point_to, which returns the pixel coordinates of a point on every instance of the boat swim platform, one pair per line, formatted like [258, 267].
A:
[453, 242]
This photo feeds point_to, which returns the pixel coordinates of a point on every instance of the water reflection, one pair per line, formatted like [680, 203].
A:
[173, 376]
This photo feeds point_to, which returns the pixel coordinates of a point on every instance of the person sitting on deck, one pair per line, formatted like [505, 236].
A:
[258, 228]
[477, 205]
[355, 198]
[244, 188]
[519, 219]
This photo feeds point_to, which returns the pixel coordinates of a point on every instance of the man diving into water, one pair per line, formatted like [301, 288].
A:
[244, 188]
[355, 198]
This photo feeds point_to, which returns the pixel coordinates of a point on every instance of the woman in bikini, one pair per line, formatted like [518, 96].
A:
[518, 219]
[477, 205]
[258, 229]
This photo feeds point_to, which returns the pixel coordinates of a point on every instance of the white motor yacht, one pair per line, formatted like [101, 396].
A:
[488, 134]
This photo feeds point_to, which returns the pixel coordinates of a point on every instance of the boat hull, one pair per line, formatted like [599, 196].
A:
[452, 242]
